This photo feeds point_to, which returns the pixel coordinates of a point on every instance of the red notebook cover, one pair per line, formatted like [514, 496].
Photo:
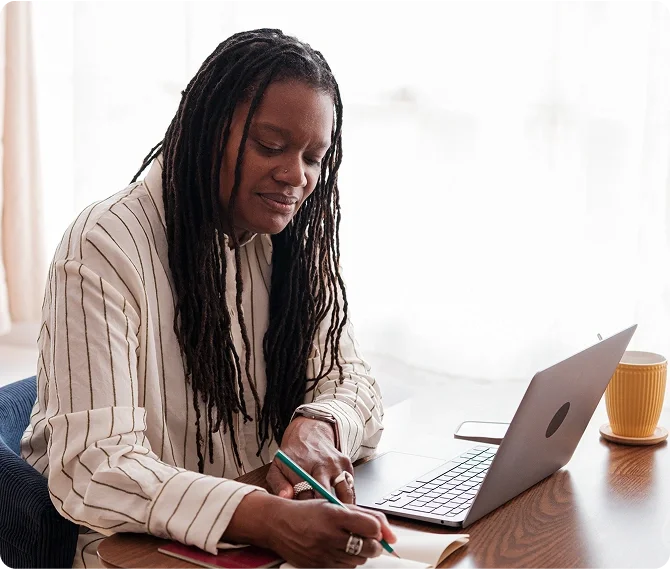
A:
[250, 557]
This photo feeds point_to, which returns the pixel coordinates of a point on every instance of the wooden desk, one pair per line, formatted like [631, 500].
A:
[609, 507]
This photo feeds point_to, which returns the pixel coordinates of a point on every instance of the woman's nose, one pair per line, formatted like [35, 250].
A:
[291, 173]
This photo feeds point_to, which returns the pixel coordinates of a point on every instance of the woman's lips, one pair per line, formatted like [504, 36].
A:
[279, 202]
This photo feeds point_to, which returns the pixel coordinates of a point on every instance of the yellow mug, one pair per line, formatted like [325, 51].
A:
[634, 396]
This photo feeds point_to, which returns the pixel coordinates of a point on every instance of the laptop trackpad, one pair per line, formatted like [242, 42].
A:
[377, 477]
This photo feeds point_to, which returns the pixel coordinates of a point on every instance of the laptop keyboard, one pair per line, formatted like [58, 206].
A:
[447, 491]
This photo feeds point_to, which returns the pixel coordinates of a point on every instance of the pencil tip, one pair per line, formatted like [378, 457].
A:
[398, 556]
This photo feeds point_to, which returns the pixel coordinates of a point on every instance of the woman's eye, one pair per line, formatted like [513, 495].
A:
[313, 162]
[269, 149]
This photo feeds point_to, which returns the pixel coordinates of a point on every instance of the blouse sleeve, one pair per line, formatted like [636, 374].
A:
[102, 470]
[355, 404]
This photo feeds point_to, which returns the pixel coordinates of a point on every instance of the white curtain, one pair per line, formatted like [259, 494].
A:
[22, 254]
[505, 178]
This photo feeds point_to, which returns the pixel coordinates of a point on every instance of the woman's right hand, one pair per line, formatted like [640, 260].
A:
[307, 533]
[314, 533]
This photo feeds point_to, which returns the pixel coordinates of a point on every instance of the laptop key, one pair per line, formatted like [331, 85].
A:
[401, 502]
[433, 474]
[441, 511]
[449, 475]
[419, 508]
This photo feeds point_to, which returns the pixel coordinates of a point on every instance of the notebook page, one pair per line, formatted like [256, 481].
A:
[427, 548]
[384, 561]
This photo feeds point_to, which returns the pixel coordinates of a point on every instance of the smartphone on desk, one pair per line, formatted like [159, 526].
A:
[481, 431]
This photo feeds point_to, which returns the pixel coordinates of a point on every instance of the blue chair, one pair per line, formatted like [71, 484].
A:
[32, 532]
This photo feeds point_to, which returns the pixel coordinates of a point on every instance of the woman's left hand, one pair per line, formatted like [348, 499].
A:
[311, 444]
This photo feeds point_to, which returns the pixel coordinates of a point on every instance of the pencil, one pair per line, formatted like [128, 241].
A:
[321, 490]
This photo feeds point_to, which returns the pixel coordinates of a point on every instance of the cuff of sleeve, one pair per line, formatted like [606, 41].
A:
[195, 509]
[348, 423]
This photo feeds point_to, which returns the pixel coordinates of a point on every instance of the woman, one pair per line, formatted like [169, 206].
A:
[197, 319]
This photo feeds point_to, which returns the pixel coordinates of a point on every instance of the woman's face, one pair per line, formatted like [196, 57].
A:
[288, 137]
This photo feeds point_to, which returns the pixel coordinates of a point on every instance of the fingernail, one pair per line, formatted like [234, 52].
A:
[283, 494]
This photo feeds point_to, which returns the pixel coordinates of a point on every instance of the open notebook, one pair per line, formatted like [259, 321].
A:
[416, 549]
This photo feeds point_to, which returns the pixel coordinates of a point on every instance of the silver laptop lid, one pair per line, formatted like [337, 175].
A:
[549, 423]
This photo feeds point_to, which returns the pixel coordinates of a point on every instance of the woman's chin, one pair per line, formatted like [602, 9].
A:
[271, 226]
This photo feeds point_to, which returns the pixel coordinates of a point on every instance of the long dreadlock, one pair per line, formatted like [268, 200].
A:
[306, 284]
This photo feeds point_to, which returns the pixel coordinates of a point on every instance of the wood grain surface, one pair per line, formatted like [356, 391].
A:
[609, 507]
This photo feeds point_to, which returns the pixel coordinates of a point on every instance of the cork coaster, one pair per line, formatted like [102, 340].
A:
[659, 435]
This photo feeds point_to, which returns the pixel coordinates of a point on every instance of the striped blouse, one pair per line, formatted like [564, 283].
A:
[113, 427]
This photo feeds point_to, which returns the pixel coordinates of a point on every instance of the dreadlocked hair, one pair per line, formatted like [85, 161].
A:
[306, 285]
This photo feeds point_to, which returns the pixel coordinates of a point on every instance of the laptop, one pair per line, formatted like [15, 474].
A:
[541, 438]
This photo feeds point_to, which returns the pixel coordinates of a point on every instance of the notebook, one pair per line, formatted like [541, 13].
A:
[415, 548]
[244, 557]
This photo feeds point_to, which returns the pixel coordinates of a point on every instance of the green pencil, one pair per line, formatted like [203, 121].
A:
[321, 490]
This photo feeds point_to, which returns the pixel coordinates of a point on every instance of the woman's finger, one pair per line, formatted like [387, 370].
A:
[369, 548]
[278, 483]
[359, 523]
[306, 495]
[343, 484]
[323, 475]
[387, 531]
